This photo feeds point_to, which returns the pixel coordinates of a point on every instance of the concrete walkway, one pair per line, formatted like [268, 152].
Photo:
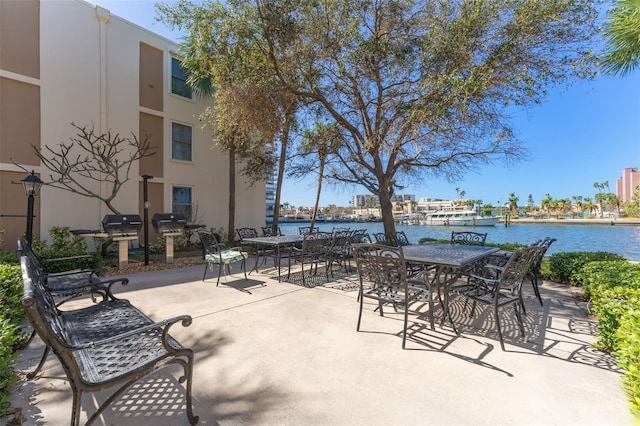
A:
[290, 355]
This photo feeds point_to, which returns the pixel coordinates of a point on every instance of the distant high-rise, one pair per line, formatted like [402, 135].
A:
[627, 184]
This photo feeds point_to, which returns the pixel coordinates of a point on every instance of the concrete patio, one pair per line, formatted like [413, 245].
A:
[290, 355]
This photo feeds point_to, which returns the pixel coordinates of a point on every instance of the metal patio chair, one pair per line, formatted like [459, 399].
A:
[383, 278]
[215, 253]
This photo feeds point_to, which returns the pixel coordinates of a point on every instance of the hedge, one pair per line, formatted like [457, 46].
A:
[563, 266]
[614, 291]
[11, 317]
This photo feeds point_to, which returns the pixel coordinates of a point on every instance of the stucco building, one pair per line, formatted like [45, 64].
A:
[626, 184]
[70, 61]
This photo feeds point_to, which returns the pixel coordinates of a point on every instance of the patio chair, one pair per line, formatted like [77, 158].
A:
[214, 253]
[302, 230]
[468, 238]
[257, 249]
[340, 250]
[315, 249]
[359, 236]
[383, 269]
[267, 231]
[502, 290]
[501, 258]
[393, 239]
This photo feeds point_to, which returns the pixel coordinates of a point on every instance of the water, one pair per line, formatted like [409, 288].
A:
[623, 240]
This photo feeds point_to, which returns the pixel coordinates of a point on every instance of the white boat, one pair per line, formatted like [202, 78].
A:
[458, 218]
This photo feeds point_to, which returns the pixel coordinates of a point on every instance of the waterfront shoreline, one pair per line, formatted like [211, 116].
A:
[606, 221]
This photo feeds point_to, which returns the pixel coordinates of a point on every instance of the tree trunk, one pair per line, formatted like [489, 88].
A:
[281, 164]
[386, 208]
[315, 206]
[232, 196]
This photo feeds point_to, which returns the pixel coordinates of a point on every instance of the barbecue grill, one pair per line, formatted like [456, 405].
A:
[120, 226]
[167, 224]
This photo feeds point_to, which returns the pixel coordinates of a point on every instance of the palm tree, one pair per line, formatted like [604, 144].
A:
[321, 140]
[622, 31]
[513, 203]
[546, 203]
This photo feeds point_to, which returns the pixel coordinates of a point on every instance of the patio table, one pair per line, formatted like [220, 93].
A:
[448, 261]
[277, 242]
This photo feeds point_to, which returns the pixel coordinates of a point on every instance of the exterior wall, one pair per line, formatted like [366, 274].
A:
[100, 71]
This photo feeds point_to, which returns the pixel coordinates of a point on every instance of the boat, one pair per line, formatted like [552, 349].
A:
[458, 218]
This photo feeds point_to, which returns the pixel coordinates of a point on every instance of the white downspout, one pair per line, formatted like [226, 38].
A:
[103, 16]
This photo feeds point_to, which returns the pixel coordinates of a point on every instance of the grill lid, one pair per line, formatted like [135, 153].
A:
[122, 224]
[168, 222]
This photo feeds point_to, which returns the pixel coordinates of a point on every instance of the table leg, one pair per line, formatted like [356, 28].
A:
[257, 254]
[449, 278]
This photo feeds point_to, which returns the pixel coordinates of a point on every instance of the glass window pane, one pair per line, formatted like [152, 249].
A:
[182, 203]
[181, 142]
[179, 79]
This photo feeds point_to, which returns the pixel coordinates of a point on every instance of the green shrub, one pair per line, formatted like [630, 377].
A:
[598, 276]
[64, 244]
[610, 305]
[11, 317]
[628, 353]
[562, 266]
[8, 257]
[179, 243]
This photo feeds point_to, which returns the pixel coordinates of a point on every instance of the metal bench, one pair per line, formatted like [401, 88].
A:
[67, 285]
[108, 344]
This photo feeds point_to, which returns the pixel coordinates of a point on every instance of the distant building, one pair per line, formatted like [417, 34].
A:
[403, 198]
[428, 205]
[360, 201]
[627, 184]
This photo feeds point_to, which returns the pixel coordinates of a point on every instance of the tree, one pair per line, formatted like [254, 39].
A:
[92, 157]
[622, 32]
[317, 144]
[546, 203]
[249, 111]
[229, 117]
[588, 204]
[422, 88]
[513, 202]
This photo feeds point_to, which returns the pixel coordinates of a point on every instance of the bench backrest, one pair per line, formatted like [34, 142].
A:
[39, 305]
[44, 317]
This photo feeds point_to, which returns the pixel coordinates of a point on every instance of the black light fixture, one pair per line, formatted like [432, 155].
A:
[31, 185]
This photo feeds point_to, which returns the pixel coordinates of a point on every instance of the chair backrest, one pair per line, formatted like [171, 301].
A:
[246, 233]
[210, 243]
[340, 240]
[306, 230]
[393, 239]
[267, 231]
[339, 229]
[382, 265]
[401, 238]
[468, 238]
[516, 269]
[359, 236]
[544, 246]
[316, 243]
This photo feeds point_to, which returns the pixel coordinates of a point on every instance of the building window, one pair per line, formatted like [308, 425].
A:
[181, 142]
[182, 201]
[179, 80]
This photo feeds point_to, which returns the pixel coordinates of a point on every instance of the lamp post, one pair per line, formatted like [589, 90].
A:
[31, 185]
[145, 199]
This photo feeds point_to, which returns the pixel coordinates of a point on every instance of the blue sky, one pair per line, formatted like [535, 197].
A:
[584, 135]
